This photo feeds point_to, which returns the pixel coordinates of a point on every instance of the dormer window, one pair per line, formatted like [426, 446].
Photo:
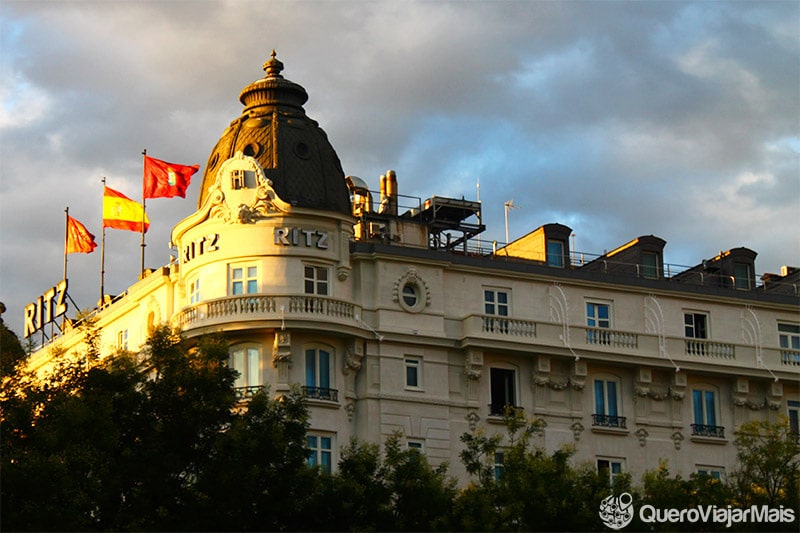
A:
[650, 265]
[555, 253]
[237, 179]
[741, 276]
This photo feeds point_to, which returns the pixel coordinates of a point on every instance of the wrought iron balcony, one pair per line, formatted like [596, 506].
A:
[609, 421]
[321, 393]
[699, 430]
[244, 393]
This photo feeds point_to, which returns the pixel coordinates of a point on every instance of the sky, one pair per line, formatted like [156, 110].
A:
[617, 119]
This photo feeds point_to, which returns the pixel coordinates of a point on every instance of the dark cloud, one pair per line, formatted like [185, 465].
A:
[618, 119]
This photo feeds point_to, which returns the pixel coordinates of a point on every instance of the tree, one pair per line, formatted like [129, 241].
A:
[768, 463]
[114, 444]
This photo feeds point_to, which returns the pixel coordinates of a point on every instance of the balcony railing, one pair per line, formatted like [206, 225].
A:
[263, 306]
[321, 393]
[704, 348]
[700, 430]
[245, 393]
[609, 421]
[611, 338]
[508, 326]
[790, 357]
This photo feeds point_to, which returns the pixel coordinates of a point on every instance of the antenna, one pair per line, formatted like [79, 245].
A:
[508, 205]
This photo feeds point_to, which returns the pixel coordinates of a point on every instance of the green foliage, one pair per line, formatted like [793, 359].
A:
[11, 351]
[769, 464]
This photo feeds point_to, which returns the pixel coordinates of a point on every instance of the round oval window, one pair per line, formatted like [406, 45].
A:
[410, 294]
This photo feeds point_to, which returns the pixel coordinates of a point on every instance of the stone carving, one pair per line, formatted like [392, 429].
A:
[411, 276]
[472, 419]
[677, 437]
[577, 428]
[642, 435]
[352, 360]
[350, 409]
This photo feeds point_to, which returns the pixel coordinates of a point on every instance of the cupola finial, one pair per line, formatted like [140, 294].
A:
[273, 67]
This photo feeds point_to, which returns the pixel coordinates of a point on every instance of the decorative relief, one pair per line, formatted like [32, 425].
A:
[350, 409]
[352, 358]
[411, 276]
[642, 435]
[473, 366]
[577, 428]
[282, 348]
[472, 419]
[677, 438]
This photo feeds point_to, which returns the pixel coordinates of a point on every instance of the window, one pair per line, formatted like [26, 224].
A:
[503, 393]
[316, 280]
[194, 292]
[741, 276]
[789, 338]
[122, 339]
[650, 265]
[410, 296]
[555, 253]
[606, 400]
[415, 445]
[704, 406]
[495, 304]
[243, 279]
[715, 472]
[499, 466]
[246, 360]
[696, 327]
[794, 416]
[320, 452]
[413, 366]
[318, 375]
[598, 316]
[610, 468]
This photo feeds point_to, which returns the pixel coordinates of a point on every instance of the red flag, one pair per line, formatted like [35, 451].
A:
[165, 180]
[78, 238]
[120, 212]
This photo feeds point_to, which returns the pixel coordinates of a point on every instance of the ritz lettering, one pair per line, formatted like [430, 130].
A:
[200, 246]
[47, 307]
[311, 238]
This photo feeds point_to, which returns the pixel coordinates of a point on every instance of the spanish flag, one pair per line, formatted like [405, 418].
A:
[120, 212]
[79, 240]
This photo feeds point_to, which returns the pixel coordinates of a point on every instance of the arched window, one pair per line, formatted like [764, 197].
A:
[319, 361]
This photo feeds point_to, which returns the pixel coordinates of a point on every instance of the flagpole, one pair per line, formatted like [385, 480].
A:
[144, 209]
[66, 241]
[102, 251]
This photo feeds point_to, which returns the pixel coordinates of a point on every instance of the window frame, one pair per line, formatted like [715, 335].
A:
[742, 282]
[318, 454]
[793, 413]
[251, 353]
[595, 322]
[194, 291]
[416, 363]
[714, 472]
[610, 462]
[789, 342]
[417, 445]
[315, 281]
[607, 394]
[319, 378]
[706, 419]
[550, 255]
[651, 271]
[511, 378]
[245, 280]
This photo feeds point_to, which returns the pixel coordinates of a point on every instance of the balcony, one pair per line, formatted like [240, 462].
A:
[704, 348]
[245, 393]
[321, 393]
[609, 421]
[508, 326]
[266, 307]
[790, 358]
[611, 338]
[699, 430]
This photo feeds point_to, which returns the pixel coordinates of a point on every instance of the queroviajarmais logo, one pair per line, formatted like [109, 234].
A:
[617, 511]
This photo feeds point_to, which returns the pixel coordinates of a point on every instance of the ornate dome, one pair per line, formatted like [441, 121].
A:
[291, 147]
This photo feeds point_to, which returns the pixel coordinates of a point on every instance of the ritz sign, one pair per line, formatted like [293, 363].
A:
[47, 307]
[301, 237]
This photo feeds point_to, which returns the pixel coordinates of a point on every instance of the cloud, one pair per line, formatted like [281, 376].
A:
[618, 119]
